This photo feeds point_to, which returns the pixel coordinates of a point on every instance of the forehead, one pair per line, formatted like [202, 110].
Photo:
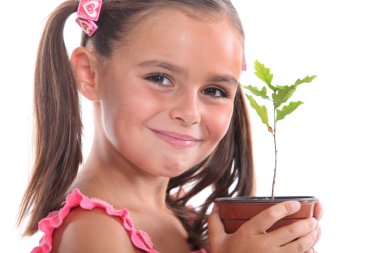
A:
[175, 32]
[159, 13]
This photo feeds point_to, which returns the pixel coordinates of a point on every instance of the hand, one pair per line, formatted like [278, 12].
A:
[299, 237]
[318, 213]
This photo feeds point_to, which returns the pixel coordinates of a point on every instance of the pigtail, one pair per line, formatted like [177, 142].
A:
[58, 126]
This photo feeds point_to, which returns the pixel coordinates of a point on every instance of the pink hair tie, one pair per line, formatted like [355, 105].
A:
[88, 12]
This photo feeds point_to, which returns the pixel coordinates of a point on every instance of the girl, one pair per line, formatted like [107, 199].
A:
[169, 113]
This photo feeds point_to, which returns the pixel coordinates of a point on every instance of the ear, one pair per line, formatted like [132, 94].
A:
[83, 64]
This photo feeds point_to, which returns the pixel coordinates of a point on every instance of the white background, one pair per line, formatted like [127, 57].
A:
[329, 147]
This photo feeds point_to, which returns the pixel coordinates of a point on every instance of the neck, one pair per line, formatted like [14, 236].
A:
[108, 176]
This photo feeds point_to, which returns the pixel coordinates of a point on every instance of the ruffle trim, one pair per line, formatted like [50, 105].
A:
[139, 239]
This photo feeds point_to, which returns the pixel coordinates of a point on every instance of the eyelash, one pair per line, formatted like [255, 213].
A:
[224, 94]
[153, 78]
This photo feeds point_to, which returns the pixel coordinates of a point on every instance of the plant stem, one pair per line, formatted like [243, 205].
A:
[275, 152]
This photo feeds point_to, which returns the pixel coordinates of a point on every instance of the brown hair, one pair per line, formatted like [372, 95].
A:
[58, 126]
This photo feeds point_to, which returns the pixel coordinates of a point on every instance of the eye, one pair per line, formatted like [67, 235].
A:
[158, 78]
[215, 92]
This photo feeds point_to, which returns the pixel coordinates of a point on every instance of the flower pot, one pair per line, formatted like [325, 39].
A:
[235, 211]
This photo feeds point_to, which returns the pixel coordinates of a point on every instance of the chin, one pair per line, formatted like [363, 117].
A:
[174, 173]
[175, 170]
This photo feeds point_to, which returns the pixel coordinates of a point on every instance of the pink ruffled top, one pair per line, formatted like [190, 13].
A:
[139, 239]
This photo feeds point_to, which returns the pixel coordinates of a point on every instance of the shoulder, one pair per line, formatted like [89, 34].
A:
[91, 231]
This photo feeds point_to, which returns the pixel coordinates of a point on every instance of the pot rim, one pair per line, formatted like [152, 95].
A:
[264, 199]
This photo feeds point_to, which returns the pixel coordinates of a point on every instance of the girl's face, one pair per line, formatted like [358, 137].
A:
[167, 94]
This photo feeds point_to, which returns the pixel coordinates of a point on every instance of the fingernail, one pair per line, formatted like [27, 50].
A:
[295, 205]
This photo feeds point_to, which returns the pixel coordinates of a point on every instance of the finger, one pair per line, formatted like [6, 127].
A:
[264, 220]
[318, 210]
[303, 244]
[295, 230]
[215, 225]
[318, 228]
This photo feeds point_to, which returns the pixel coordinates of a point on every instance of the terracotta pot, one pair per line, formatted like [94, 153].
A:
[237, 210]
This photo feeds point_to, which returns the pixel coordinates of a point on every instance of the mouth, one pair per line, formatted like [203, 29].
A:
[176, 140]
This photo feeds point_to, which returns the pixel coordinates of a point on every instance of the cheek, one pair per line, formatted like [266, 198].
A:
[126, 112]
[117, 111]
[219, 121]
[110, 121]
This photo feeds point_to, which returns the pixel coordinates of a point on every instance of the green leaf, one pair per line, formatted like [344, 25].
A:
[255, 91]
[260, 110]
[264, 74]
[281, 87]
[287, 109]
[307, 79]
[283, 94]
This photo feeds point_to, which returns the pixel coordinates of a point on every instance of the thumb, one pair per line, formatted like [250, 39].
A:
[215, 225]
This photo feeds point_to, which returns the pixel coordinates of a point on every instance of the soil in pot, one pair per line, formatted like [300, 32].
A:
[235, 211]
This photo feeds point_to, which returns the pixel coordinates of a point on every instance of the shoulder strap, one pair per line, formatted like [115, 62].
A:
[139, 239]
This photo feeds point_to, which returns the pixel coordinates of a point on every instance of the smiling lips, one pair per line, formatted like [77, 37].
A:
[178, 141]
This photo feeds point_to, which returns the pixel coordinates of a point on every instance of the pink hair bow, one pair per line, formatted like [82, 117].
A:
[244, 67]
[88, 12]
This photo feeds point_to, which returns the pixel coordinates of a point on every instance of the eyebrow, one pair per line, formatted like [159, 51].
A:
[224, 79]
[166, 65]
[161, 64]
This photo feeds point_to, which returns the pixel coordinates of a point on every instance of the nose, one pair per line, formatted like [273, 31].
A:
[186, 108]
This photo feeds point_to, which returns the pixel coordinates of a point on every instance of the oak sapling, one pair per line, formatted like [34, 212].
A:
[278, 98]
